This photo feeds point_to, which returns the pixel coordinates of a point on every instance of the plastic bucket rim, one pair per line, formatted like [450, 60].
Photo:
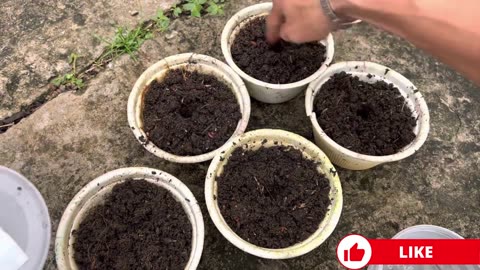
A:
[83, 199]
[405, 152]
[133, 112]
[331, 218]
[262, 8]
[43, 257]
[427, 228]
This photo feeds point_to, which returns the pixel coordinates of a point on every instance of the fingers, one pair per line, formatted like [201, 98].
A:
[297, 21]
[298, 31]
[274, 22]
[297, 34]
[290, 33]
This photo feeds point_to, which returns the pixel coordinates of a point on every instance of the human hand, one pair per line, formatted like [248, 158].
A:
[297, 21]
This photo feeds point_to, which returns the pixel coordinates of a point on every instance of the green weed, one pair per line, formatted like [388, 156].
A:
[215, 7]
[177, 11]
[196, 7]
[162, 21]
[70, 78]
[126, 41]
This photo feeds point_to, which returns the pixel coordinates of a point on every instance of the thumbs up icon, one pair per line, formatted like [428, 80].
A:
[354, 254]
[354, 251]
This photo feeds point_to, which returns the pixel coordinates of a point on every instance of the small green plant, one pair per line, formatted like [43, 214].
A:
[195, 7]
[176, 11]
[162, 21]
[125, 41]
[70, 78]
[215, 7]
[212, 7]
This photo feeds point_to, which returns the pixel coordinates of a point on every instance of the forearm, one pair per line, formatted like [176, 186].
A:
[447, 29]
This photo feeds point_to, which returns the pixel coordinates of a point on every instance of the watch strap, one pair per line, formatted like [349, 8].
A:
[337, 21]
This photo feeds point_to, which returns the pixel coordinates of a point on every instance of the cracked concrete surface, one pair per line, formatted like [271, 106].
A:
[38, 36]
[77, 137]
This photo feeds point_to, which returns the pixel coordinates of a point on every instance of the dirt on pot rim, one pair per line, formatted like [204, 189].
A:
[369, 72]
[95, 192]
[191, 62]
[268, 138]
[262, 91]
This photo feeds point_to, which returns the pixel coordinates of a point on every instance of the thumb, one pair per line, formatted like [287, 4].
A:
[355, 247]
[274, 22]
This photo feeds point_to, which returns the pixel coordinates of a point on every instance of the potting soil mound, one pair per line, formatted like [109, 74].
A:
[281, 63]
[139, 226]
[272, 197]
[367, 118]
[189, 113]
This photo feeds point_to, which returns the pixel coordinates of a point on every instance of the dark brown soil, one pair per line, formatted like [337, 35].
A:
[189, 113]
[280, 64]
[273, 197]
[140, 226]
[367, 118]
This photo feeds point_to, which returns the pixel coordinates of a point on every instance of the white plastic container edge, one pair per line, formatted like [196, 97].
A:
[96, 191]
[254, 140]
[25, 218]
[354, 161]
[190, 61]
[262, 91]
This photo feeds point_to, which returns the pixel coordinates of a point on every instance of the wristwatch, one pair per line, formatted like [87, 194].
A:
[338, 22]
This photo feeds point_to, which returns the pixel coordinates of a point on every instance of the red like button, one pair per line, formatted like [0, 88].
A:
[405, 252]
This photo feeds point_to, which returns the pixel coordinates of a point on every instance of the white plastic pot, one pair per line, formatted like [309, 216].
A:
[191, 62]
[354, 161]
[24, 218]
[262, 91]
[254, 140]
[95, 193]
[425, 232]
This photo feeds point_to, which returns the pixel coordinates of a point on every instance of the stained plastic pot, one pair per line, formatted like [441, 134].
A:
[254, 140]
[355, 161]
[24, 217]
[262, 91]
[191, 62]
[95, 193]
[425, 232]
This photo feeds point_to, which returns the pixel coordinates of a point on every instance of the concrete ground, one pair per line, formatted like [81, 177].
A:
[78, 136]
